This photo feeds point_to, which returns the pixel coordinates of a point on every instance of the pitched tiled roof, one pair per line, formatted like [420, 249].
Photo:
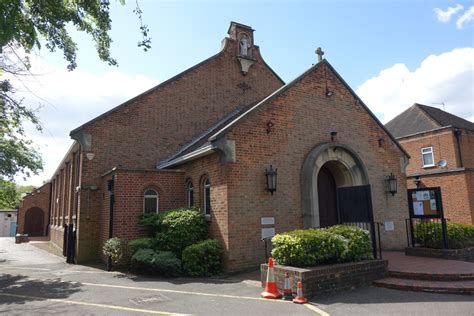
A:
[445, 118]
[421, 118]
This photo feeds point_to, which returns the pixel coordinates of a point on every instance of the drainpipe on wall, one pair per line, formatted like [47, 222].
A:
[457, 133]
[110, 187]
[48, 229]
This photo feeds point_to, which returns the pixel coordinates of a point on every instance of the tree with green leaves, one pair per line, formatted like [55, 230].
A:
[26, 25]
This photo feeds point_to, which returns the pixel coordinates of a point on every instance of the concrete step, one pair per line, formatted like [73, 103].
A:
[452, 287]
[452, 276]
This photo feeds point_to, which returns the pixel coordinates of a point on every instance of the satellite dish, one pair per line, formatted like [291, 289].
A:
[442, 163]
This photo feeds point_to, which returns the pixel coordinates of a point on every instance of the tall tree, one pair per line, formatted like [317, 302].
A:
[25, 25]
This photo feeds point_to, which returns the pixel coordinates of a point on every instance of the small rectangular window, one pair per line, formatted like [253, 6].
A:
[427, 157]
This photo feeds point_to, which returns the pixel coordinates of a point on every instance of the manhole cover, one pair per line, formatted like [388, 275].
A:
[149, 299]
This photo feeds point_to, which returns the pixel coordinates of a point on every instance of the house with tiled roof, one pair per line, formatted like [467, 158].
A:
[258, 156]
[441, 146]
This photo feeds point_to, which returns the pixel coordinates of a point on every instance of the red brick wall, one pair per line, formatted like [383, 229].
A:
[210, 167]
[456, 187]
[129, 187]
[37, 198]
[444, 147]
[65, 196]
[303, 118]
[457, 193]
[467, 148]
[157, 124]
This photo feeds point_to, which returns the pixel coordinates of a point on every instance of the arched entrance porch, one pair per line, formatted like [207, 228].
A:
[328, 169]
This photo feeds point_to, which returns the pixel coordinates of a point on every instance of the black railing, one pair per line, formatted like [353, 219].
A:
[427, 232]
[374, 230]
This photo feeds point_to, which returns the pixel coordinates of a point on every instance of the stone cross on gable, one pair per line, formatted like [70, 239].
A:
[320, 53]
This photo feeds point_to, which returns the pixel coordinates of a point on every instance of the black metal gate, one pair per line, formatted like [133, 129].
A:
[69, 243]
[354, 207]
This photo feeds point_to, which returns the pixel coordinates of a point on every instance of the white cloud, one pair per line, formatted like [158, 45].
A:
[467, 17]
[445, 16]
[446, 78]
[68, 100]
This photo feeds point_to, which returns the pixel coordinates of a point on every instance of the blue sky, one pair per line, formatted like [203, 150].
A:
[359, 37]
[392, 53]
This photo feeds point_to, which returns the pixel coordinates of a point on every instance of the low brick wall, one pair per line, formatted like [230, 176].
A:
[465, 254]
[329, 279]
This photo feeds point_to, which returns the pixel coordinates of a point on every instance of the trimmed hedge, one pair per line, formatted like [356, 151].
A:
[151, 262]
[141, 243]
[311, 247]
[203, 259]
[359, 246]
[430, 235]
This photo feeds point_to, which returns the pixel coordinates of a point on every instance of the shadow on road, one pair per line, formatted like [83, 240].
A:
[33, 290]
[374, 295]
[253, 276]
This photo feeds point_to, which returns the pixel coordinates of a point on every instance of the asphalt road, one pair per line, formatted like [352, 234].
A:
[34, 282]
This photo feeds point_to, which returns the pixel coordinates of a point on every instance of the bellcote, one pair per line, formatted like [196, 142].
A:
[243, 37]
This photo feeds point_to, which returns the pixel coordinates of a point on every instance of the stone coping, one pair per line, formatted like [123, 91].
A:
[463, 254]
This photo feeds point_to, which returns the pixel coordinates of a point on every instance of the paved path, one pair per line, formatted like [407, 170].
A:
[34, 282]
[398, 261]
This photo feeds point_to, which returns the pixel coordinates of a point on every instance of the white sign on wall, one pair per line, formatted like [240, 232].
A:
[389, 226]
[267, 220]
[268, 232]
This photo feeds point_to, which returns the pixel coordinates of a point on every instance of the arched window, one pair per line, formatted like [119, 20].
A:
[150, 201]
[190, 194]
[206, 197]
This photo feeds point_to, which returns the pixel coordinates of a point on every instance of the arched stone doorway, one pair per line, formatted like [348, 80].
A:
[34, 222]
[328, 167]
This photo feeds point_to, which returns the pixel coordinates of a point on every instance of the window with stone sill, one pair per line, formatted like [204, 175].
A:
[427, 157]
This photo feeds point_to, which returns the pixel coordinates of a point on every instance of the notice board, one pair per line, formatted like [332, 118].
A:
[425, 203]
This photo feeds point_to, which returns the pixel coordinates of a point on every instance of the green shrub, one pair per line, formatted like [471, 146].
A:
[358, 242]
[180, 228]
[308, 247]
[113, 248]
[140, 243]
[203, 259]
[166, 263]
[430, 234]
[142, 260]
[151, 262]
[152, 221]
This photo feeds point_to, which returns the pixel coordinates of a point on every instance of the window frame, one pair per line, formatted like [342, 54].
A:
[206, 206]
[427, 153]
[156, 195]
[189, 194]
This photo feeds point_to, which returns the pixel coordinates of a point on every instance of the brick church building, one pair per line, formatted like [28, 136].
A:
[210, 137]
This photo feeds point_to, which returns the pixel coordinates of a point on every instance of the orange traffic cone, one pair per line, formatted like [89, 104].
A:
[271, 290]
[300, 299]
[287, 293]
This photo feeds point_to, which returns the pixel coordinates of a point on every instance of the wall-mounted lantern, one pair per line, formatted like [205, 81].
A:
[417, 181]
[271, 175]
[391, 181]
